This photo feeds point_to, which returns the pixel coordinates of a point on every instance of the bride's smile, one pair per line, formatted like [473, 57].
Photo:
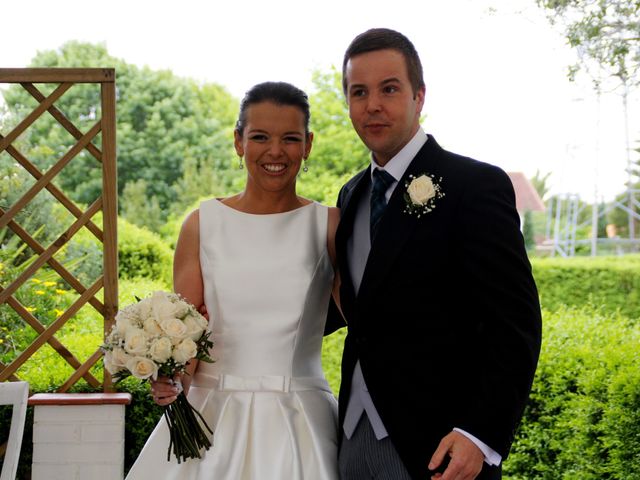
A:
[274, 168]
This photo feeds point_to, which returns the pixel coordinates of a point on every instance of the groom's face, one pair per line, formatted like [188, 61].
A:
[384, 109]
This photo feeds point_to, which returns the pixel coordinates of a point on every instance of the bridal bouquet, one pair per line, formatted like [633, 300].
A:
[158, 336]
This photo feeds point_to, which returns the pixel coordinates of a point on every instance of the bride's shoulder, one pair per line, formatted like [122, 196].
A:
[191, 222]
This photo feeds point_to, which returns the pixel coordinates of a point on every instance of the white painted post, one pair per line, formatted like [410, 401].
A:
[78, 436]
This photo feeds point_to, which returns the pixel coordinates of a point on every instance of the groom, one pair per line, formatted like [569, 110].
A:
[442, 310]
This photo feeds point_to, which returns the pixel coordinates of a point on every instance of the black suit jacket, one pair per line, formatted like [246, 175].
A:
[446, 323]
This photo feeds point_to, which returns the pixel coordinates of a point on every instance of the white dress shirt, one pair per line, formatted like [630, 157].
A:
[358, 247]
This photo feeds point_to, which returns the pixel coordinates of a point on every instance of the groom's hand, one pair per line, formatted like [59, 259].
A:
[465, 458]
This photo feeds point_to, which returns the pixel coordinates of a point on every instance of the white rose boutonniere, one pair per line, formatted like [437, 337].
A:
[421, 194]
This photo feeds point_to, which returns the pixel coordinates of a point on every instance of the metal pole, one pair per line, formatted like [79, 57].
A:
[632, 233]
[594, 210]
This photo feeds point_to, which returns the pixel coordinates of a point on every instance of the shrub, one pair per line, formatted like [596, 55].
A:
[611, 282]
[583, 418]
[143, 254]
[332, 357]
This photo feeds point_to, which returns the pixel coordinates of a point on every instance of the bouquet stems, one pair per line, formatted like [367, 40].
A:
[187, 436]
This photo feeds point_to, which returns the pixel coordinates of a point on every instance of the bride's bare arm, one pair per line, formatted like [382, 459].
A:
[187, 281]
[334, 218]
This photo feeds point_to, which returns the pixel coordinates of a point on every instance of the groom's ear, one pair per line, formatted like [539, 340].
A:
[237, 143]
[419, 97]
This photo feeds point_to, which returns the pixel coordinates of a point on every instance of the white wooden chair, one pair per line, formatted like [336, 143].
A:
[16, 394]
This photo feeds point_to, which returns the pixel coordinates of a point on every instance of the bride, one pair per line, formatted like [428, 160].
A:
[262, 263]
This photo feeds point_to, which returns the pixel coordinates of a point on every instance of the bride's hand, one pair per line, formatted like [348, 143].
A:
[165, 390]
[203, 311]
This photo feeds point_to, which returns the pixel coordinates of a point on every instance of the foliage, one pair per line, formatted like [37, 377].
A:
[612, 282]
[45, 300]
[336, 146]
[139, 208]
[15, 183]
[603, 31]
[528, 230]
[332, 358]
[163, 122]
[143, 253]
[583, 417]
[539, 182]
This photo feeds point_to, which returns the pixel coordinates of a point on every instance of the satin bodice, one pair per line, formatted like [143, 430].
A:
[267, 282]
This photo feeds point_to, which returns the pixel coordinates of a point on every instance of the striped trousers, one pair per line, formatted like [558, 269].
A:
[363, 456]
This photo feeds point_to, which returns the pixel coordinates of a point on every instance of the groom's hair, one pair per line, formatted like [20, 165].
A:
[280, 93]
[383, 39]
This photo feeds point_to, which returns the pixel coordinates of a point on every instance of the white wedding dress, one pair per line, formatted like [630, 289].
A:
[267, 282]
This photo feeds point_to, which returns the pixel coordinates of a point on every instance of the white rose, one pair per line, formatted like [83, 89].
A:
[203, 322]
[185, 351]
[119, 357]
[135, 341]
[163, 308]
[110, 365]
[160, 350]
[181, 307]
[142, 368]
[195, 327]
[144, 308]
[174, 328]
[421, 189]
[123, 323]
[152, 327]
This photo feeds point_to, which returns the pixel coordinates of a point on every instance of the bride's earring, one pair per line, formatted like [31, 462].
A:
[305, 169]
[240, 164]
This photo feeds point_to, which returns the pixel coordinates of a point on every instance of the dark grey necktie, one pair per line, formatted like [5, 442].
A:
[382, 180]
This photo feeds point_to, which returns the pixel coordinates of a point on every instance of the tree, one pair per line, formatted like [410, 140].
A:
[539, 182]
[603, 31]
[606, 34]
[528, 231]
[163, 123]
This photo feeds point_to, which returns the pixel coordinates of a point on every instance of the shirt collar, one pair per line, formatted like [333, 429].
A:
[400, 162]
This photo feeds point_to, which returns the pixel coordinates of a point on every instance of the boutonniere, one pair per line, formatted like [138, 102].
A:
[421, 194]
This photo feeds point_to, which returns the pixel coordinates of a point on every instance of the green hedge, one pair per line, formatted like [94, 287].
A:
[143, 253]
[583, 418]
[610, 282]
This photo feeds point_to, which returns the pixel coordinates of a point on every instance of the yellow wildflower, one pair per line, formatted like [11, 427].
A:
[58, 312]
[35, 280]
[31, 309]
[49, 284]
[39, 292]
[60, 292]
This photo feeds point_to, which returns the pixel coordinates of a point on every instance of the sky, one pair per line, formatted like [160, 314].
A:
[495, 70]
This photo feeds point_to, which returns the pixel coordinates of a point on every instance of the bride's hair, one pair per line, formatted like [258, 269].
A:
[280, 93]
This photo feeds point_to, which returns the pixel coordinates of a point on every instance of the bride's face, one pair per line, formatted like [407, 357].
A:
[273, 145]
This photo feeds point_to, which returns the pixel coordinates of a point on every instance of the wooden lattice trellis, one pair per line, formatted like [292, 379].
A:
[106, 202]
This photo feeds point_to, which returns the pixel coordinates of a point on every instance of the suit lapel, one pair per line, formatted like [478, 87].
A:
[395, 226]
